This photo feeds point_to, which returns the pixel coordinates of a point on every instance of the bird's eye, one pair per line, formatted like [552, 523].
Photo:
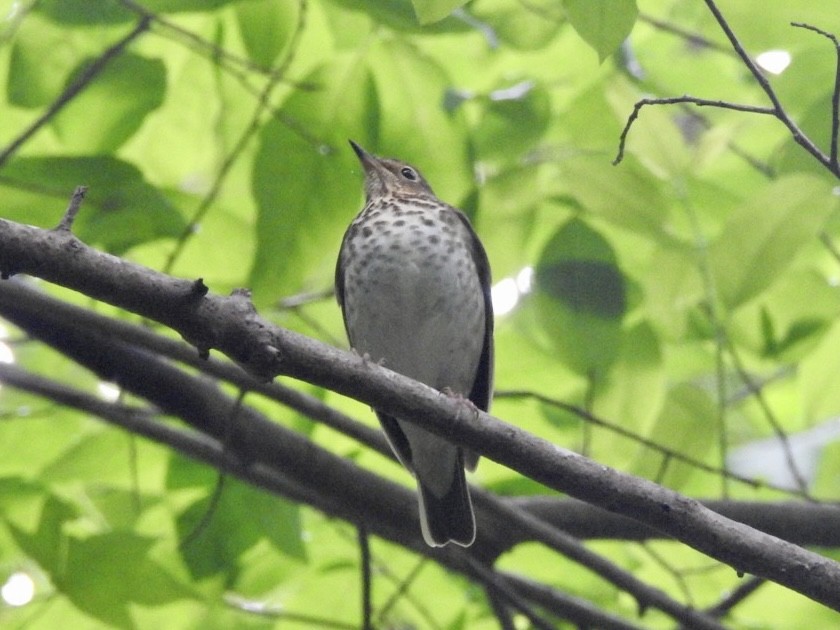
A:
[409, 174]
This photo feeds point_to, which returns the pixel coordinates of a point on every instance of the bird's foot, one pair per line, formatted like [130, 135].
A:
[366, 358]
[461, 399]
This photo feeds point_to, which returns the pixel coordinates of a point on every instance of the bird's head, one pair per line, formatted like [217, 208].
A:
[387, 177]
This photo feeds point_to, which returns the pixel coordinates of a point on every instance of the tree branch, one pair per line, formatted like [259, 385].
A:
[105, 352]
[777, 110]
[232, 325]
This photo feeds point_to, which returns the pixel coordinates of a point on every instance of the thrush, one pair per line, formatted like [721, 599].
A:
[413, 283]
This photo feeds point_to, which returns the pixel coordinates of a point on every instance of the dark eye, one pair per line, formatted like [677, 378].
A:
[409, 174]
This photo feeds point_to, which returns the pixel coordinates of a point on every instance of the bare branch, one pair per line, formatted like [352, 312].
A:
[66, 224]
[673, 100]
[232, 325]
[777, 110]
[835, 97]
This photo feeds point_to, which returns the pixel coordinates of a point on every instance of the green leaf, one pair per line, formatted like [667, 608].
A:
[26, 503]
[42, 57]
[627, 195]
[400, 15]
[511, 126]
[684, 425]
[243, 516]
[266, 27]
[177, 6]
[120, 210]
[529, 29]
[633, 391]
[108, 572]
[764, 235]
[117, 101]
[307, 193]
[581, 297]
[86, 12]
[429, 11]
[413, 124]
[603, 24]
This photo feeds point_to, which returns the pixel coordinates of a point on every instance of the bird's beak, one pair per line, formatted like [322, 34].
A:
[368, 161]
[376, 175]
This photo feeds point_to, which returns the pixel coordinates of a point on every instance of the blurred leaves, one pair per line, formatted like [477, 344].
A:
[717, 233]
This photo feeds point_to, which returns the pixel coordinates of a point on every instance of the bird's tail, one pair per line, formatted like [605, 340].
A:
[447, 518]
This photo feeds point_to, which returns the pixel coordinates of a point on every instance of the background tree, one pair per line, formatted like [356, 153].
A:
[673, 318]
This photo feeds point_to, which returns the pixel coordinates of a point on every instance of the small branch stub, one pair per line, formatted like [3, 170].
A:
[66, 224]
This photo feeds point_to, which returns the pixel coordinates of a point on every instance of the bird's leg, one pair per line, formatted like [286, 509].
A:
[461, 399]
[365, 358]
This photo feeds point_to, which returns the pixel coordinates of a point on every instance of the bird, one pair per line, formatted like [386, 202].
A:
[413, 283]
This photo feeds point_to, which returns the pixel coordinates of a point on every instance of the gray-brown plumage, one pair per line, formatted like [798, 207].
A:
[413, 283]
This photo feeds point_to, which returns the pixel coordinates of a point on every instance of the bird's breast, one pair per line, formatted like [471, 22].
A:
[412, 295]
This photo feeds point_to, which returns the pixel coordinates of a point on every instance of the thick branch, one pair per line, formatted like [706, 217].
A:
[302, 470]
[231, 325]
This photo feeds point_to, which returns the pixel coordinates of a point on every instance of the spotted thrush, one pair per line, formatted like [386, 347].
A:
[413, 283]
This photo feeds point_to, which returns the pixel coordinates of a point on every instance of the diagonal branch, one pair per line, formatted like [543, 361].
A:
[835, 97]
[308, 469]
[777, 110]
[233, 326]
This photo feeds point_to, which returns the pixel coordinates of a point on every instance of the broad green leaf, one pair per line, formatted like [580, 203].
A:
[87, 458]
[764, 235]
[672, 286]
[631, 393]
[266, 27]
[176, 6]
[120, 209]
[511, 126]
[627, 195]
[413, 124]
[86, 12]
[44, 543]
[401, 15]
[42, 57]
[106, 573]
[109, 110]
[525, 29]
[429, 11]
[818, 378]
[686, 425]
[789, 318]
[581, 297]
[218, 534]
[603, 24]
[305, 179]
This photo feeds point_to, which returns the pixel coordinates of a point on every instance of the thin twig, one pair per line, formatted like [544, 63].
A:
[692, 38]
[364, 552]
[241, 144]
[778, 110]
[73, 90]
[402, 590]
[676, 575]
[673, 100]
[835, 97]
[747, 587]
[494, 582]
[663, 450]
[774, 423]
[66, 223]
